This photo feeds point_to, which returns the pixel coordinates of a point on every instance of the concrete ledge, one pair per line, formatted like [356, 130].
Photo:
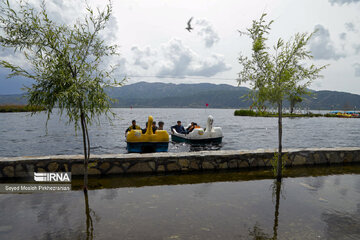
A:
[170, 162]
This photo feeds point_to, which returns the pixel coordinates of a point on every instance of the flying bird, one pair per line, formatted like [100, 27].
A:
[189, 28]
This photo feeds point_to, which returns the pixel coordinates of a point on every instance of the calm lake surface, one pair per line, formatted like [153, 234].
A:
[25, 135]
[311, 203]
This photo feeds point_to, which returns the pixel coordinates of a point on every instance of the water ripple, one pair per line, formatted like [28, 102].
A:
[239, 132]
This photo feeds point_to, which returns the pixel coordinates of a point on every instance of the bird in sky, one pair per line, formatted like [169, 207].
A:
[189, 28]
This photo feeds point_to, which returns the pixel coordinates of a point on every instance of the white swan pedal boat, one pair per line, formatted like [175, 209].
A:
[209, 135]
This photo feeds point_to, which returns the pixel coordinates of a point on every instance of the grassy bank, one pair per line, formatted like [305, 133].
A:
[20, 108]
[252, 113]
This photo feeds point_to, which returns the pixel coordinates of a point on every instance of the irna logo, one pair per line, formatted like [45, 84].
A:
[52, 177]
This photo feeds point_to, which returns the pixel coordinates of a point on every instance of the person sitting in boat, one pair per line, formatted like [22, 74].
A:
[154, 128]
[161, 125]
[133, 126]
[143, 130]
[178, 128]
[192, 127]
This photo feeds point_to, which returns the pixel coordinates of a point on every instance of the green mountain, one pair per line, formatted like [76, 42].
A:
[179, 95]
[333, 100]
[145, 94]
[144, 90]
[13, 99]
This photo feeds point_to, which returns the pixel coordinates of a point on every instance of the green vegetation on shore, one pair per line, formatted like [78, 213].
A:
[20, 108]
[251, 113]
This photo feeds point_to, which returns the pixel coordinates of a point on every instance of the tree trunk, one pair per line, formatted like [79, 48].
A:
[279, 162]
[292, 105]
[86, 142]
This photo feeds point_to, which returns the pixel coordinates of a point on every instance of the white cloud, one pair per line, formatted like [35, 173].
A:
[342, 2]
[357, 69]
[69, 12]
[122, 69]
[321, 45]
[207, 32]
[177, 59]
[109, 33]
[350, 27]
[342, 36]
[144, 57]
[357, 48]
[6, 51]
[209, 66]
[60, 11]
[181, 61]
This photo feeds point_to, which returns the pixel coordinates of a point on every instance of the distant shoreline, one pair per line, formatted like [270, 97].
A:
[251, 113]
[19, 108]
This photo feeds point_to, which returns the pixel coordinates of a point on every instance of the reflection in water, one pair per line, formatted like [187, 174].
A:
[89, 221]
[110, 195]
[357, 186]
[342, 225]
[311, 182]
[256, 232]
[203, 190]
[337, 181]
[212, 205]
[315, 183]
[343, 191]
[276, 190]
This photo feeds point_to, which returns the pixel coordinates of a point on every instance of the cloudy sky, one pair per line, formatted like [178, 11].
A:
[156, 47]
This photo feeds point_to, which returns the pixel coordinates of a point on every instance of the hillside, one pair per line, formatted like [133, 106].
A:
[13, 99]
[145, 94]
[230, 98]
[144, 90]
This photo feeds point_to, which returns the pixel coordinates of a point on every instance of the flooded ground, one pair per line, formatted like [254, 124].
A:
[311, 203]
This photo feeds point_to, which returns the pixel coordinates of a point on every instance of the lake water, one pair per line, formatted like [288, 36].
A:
[311, 203]
[25, 135]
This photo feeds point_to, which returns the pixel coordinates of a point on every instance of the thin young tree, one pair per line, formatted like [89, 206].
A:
[273, 75]
[64, 62]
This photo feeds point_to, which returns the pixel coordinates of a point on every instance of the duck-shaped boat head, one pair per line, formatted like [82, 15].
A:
[209, 124]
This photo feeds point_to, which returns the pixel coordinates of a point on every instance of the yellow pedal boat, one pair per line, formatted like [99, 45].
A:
[138, 142]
